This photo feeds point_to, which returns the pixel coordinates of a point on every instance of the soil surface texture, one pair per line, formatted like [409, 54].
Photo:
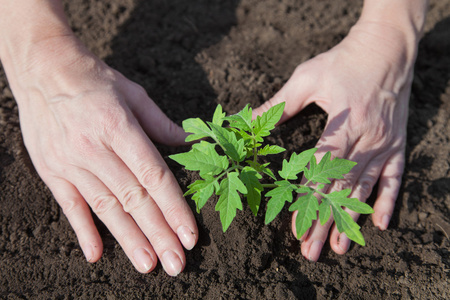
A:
[189, 56]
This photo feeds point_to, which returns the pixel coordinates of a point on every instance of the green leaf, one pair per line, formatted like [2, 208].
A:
[344, 222]
[324, 211]
[262, 125]
[268, 172]
[242, 140]
[248, 140]
[261, 168]
[242, 120]
[341, 198]
[296, 164]
[232, 147]
[241, 134]
[250, 177]
[327, 168]
[279, 196]
[202, 190]
[197, 127]
[229, 199]
[270, 149]
[202, 157]
[307, 206]
[218, 116]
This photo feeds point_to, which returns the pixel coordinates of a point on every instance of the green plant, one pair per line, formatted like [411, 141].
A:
[234, 171]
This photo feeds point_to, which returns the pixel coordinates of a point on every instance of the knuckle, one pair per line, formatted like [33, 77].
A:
[153, 178]
[171, 212]
[380, 133]
[389, 96]
[140, 91]
[172, 128]
[111, 115]
[69, 206]
[377, 137]
[43, 167]
[102, 204]
[365, 186]
[134, 198]
[341, 184]
[396, 175]
[85, 144]
[158, 238]
[112, 120]
[300, 69]
[137, 91]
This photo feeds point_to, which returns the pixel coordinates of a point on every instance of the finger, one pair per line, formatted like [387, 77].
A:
[388, 189]
[313, 243]
[361, 190]
[297, 93]
[121, 225]
[360, 179]
[154, 121]
[336, 139]
[80, 218]
[136, 201]
[147, 165]
[294, 228]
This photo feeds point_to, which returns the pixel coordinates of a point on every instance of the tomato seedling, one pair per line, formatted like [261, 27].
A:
[227, 161]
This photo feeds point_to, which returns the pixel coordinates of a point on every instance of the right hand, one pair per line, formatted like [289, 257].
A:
[87, 129]
[364, 85]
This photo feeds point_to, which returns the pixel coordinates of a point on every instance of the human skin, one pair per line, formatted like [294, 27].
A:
[89, 133]
[89, 130]
[364, 85]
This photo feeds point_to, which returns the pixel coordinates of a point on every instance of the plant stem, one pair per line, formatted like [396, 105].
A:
[273, 185]
[232, 168]
[255, 152]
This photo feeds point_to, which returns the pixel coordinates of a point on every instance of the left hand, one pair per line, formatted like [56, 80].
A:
[363, 84]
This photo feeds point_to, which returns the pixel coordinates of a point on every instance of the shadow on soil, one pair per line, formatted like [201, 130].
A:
[5, 160]
[158, 47]
[432, 74]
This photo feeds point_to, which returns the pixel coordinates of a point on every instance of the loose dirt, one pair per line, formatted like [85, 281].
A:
[189, 56]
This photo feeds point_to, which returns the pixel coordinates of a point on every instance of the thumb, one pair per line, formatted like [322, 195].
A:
[157, 125]
[296, 93]
[163, 130]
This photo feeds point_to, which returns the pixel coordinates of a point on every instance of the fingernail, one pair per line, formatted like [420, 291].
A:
[186, 236]
[143, 259]
[314, 250]
[171, 263]
[88, 252]
[384, 222]
[344, 242]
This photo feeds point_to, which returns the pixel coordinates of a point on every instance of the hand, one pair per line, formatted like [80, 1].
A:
[87, 129]
[364, 85]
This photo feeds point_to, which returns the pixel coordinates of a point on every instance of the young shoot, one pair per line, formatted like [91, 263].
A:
[227, 159]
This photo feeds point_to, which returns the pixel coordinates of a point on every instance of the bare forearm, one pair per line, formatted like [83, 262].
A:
[27, 23]
[390, 31]
[37, 43]
[405, 15]
[399, 21]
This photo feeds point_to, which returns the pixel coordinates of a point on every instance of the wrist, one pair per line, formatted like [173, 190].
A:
[384, 43]
[405, 15]
[48, 67]
[24, 24]
[399, 22]
[390, 32]
[41, 45]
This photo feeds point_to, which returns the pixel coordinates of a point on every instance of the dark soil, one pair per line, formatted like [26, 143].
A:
[189, 56]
